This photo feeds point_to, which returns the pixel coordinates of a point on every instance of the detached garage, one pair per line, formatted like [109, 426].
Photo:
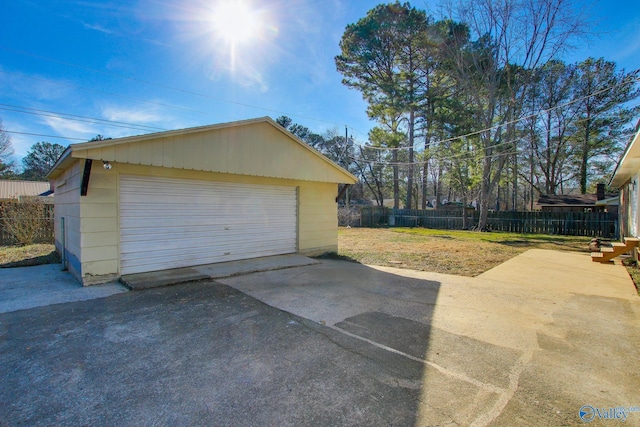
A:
[191, 197]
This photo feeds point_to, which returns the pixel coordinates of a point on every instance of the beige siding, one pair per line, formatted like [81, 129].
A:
[102, 271]
[99, 212]
[634, 207]
[96, 242]
[258, 149]
[67, 206]
[318, 218]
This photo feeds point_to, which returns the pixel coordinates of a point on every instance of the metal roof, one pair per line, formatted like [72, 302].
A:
[10, 189]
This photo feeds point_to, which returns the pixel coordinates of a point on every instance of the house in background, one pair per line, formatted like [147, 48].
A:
[193, 196]
[626, 177]
[11, 190]
[599, 202]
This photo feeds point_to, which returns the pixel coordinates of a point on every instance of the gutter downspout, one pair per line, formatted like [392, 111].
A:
[64, 245]
[341, 193]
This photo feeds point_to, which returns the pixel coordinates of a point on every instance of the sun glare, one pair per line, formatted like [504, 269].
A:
[234, 21]
[233, 35]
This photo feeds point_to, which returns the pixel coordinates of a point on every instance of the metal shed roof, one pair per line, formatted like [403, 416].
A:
[12, 189]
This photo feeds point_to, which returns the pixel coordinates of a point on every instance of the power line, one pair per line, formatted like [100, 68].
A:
[163, 86]
[44, 136]
[103, 92]
[269, 109]
[547, 110]
[77, 118]
[478, 156]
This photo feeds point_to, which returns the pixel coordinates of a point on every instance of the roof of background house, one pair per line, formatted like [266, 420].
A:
[11, 189]
[610, 201]
[570, 199]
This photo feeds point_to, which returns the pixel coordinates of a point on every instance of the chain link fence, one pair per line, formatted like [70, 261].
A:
[26, 222]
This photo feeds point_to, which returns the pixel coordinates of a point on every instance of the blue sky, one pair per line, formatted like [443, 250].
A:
[165, 64]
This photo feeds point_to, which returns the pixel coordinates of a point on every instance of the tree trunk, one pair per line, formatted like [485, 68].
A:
[585, 158]
[515, 183]
[531, 178]
[485, 191]
[465, 225]
[484, 212]
[412, 117]
[396, 178]
[425, 183]
[425, 171]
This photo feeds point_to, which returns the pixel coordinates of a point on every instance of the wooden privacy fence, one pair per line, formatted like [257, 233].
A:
[588, 224]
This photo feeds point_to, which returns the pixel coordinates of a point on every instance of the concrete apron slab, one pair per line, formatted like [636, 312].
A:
[509, 347]
[28, 287]
[162, 278]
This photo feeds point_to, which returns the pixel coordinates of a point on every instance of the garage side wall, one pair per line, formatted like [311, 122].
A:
[67, 207]
[318, 218]
[99, 227]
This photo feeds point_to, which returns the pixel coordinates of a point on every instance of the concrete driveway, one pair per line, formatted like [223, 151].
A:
[531, 342]
[27, 287]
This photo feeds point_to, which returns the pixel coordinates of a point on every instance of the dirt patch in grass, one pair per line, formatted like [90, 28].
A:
[464, 253]
[25, 256]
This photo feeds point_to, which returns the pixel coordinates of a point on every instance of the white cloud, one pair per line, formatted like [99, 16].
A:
[150, 119]
[33, 87]
[132, 115]
[96, 27]
[630, 46]
[69, 128]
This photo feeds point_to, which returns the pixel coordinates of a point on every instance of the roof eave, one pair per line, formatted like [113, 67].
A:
[61, 164]
[629, 163]
[66, 157]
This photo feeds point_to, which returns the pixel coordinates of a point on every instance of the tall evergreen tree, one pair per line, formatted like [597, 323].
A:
[381, 57]
[603, 93]
[40, 159]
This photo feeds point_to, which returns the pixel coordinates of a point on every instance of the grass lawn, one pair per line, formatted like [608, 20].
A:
[464, 253]
[634, 271]
[24, 256]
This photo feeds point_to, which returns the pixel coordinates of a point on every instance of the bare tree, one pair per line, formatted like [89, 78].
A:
[505, 39]
[6, 152]
[371, 169]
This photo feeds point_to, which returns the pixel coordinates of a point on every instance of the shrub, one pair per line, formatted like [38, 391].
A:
[24, 220]
[349, 216]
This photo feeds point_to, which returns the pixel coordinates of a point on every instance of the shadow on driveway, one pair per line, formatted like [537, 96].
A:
[203, 354]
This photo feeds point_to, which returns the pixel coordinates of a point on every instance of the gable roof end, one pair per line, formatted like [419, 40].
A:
[222, 148]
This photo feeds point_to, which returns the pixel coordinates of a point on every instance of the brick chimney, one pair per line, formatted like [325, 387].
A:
[600, 192]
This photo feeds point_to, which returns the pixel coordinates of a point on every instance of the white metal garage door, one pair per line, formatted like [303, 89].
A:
[169, 223]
